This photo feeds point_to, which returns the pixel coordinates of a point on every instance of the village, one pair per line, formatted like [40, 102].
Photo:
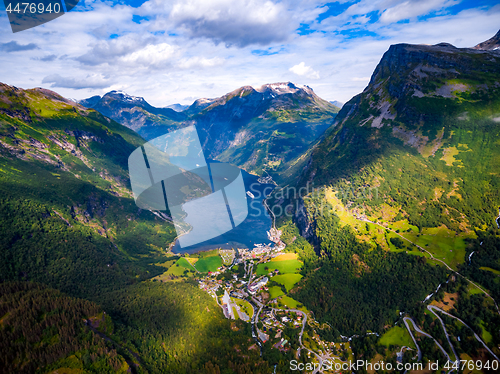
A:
[245, 288]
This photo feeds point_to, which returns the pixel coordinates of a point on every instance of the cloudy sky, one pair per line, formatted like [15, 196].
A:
[175, 51]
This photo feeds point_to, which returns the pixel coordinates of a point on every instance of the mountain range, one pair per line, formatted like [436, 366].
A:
[402, 217]
[265, 129]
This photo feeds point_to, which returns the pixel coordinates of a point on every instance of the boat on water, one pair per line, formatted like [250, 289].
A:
[250, 194]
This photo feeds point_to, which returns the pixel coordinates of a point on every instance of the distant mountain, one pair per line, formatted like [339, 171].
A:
[271, 127]
[178, 107]
[338, 104]
[134, 112]
[491, 44]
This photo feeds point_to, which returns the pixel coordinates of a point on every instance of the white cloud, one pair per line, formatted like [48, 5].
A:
[239, 23]
[303, 70]
[208, 48]
[199, 62]
[150, 55]
[90, 81]
[413, 8]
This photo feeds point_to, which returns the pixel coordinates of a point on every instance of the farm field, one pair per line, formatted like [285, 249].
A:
[209, 263]
[287, 280]
[289, 302]
[275, 292]
[286, 266]
[179, 268]
[285, 256]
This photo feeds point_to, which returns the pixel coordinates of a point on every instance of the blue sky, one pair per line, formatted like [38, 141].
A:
[178, 51]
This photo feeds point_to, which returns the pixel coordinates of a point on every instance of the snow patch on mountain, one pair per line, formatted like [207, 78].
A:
[281, 88]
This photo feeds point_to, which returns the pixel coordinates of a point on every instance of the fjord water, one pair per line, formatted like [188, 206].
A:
[251, 231]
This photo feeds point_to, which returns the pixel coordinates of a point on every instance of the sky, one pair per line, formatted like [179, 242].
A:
[176, 51]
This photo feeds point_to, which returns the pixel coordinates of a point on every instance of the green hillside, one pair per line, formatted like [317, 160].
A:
[42, 330]
[405, 181]
[67, 215]
[68, 220]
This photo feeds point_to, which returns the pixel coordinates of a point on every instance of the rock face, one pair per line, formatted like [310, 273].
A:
[407, 72]
[135, 113]
[425, 104]
[491, 44]
[269, 128]
[78, 138]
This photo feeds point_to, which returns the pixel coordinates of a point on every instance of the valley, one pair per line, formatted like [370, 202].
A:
[391, 256]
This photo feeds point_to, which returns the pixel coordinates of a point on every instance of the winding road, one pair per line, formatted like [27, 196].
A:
[302, 346]
[433, 308]
[417, 329]
[434, 259]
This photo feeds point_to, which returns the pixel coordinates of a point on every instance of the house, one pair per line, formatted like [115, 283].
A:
[227, 306]
[254, 287]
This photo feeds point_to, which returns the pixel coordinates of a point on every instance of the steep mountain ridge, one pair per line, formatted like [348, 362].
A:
[408, 175]
[423, 135]
[65, 180]
[413, 91]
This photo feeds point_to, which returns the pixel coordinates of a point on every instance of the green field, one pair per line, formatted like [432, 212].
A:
[397, 336]
[210, 263]
[179, 267]
[487, 337]
[244, 306]
[289, 302]
[287, 266]
[287, 280]
[473, 290]
[275, 292]
[444, 245]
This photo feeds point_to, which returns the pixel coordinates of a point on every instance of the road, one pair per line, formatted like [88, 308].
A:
[430, 308]
[270, 211]
[255, 318]
[419, 352]
[433, 308]
[425, 334]
[132, 365]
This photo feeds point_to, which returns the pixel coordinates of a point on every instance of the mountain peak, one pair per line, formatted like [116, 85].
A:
[120, 95]
[492, 44]
[281, 88]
